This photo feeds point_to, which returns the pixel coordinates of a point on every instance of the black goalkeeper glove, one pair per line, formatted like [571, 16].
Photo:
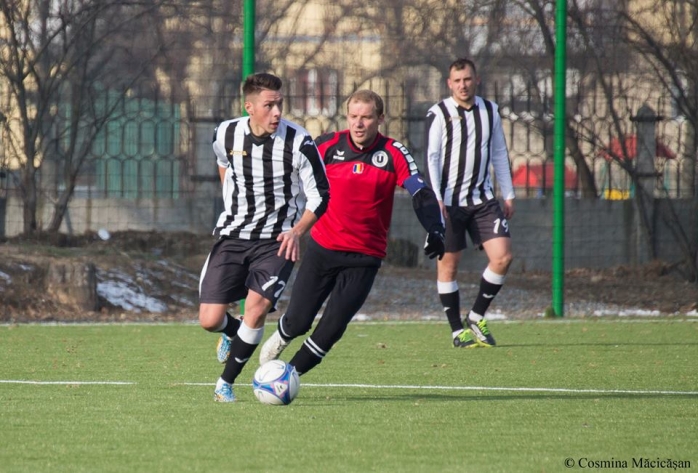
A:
[434, 245]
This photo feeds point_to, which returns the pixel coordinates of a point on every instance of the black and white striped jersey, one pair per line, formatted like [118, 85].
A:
[461, 145]
[269, 181]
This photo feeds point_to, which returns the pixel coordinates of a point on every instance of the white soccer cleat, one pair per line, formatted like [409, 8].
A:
[272, 348]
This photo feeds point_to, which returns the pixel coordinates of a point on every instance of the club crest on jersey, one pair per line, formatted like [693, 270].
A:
[380, 159]
[358, 168]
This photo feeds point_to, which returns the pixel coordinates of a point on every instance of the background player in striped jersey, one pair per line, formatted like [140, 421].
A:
[464, 139]
[274, 189]
[348, 243]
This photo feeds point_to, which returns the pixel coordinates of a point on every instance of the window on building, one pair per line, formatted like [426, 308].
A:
[314, 92]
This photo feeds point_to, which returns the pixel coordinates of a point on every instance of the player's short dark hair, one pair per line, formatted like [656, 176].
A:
[461, 63]
[367, 96]
[255, 83]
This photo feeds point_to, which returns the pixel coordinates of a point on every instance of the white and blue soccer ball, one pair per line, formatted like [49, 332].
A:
[276, 383]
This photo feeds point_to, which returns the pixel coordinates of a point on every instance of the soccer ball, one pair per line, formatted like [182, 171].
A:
[276, 383]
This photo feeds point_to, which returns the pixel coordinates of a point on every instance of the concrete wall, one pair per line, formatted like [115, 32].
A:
[167, 215]
[598, 233]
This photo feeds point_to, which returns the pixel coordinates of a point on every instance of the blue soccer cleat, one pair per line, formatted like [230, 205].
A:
[223, 348]
[224, 393]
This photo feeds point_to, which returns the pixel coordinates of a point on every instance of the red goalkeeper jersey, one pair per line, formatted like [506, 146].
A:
[362, 191]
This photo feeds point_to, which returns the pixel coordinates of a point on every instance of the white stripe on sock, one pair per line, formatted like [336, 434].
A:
[317, 351]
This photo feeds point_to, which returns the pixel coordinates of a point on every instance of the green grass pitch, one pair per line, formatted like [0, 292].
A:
[391, 397]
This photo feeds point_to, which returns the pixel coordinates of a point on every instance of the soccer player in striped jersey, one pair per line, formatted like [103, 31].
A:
[274, 189]
[348, 244]
[464, 139]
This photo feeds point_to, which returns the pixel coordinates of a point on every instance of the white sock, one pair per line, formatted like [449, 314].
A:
[446, 287]
[251, 336]
[492, 277]
[458, 332]
[475, 317]
[221, 326]
[220, 383]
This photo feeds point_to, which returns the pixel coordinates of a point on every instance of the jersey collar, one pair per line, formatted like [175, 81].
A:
[365, 149]
[248, 131]
[476, 103]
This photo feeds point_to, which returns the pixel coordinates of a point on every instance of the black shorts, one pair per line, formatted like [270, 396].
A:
[234, 266]
[482, 222]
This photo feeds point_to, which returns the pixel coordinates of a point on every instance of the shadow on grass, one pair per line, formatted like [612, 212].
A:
[597, 344]
[460, 397]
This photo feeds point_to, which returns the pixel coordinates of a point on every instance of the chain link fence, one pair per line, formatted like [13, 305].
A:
[151, 167]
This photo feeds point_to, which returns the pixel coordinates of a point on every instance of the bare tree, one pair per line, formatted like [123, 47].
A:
[205, 46]
[604, 37]
[60, 59]
[664, 33]
[426, 34]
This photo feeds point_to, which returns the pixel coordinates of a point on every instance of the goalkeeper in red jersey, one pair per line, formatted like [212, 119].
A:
[348, 244]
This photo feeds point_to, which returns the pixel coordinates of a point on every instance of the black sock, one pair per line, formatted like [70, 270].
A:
[280, 329]
[232, 326]
[308, 357]
[451, 303]
[485, 296]
[240, 353]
